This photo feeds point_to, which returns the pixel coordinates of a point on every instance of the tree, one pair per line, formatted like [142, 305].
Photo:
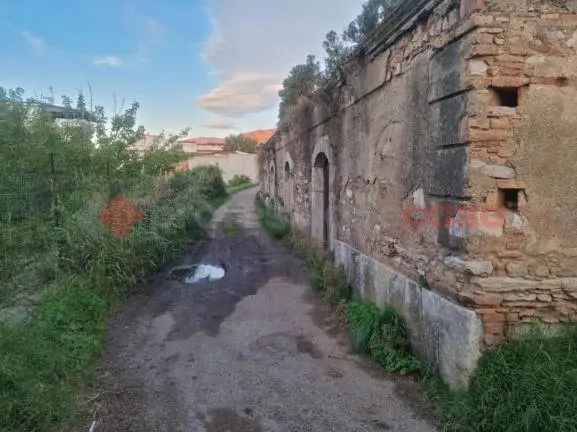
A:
[303, 79]
[81, 104]
[241, 143]
[306, 78]
[67, 102]
[337, 53]
[374, 11]
[16, 95]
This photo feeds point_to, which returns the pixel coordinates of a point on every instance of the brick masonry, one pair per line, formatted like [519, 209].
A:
[451, 151]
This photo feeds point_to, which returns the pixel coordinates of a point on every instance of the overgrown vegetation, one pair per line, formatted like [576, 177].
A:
[239, 183]
[308, 77]
[239, 180]
[81, 223]
[382, 335]
[529, 385]
[241, 143]
[273, 223]
[303, 79]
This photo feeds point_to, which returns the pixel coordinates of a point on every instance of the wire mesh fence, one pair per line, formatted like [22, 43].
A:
[63, 219]
[32, 207]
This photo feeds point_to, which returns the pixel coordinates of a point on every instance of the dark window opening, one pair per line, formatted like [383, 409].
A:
[507, 97]
[322, 163]
[510, 198]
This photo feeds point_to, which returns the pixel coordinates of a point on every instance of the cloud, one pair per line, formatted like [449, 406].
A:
[242, 94]
[151, 36]
[37, 44]
[220, 125]
[254, 43]
[109, 61]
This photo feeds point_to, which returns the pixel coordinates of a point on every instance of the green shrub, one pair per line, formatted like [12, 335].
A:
[383, 336]
[528, 385]
[239, 180]
[41, 361]
[329, 280]
[207, 180]
[180, 181]
[273, 223]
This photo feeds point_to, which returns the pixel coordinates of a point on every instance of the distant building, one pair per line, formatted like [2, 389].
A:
[215, 151]
[65, 113]
[204, 145]
[145, 143]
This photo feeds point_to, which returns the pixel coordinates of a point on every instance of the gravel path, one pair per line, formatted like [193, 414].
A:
[255, 351]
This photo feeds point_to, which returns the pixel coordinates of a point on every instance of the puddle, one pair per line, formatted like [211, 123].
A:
[205, 272]
[197, 273]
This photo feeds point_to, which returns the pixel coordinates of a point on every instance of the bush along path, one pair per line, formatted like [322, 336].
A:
[43, 362]
[525, 385]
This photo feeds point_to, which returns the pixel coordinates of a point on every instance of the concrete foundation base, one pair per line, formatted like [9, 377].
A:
[445, 335]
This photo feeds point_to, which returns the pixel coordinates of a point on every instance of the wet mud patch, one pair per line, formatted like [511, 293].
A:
[335, 373]
[327, 318]
[306, 346]
[227, 420]
[250, 261]
[286, 344]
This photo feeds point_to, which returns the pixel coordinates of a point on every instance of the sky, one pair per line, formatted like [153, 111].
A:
[215, 66]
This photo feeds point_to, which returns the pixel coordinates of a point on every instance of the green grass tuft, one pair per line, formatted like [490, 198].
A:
[383, 336]
[528, 385]
[273, 223]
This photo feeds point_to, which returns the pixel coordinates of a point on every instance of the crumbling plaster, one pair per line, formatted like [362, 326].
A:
[452, 148]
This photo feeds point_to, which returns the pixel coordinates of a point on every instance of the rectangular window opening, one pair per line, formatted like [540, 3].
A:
[510, 198]
[507, 97]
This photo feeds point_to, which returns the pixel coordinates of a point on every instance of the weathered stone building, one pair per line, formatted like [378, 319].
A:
[441, 171]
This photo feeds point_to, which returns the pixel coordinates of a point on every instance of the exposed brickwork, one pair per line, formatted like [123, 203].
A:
[516, 50]
[452, 148]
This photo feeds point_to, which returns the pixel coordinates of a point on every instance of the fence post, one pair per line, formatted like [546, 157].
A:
[53, 191]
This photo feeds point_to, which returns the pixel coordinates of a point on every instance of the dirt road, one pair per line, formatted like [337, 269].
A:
[254, 351]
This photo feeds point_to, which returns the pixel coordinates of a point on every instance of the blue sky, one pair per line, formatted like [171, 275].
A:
[212, 65]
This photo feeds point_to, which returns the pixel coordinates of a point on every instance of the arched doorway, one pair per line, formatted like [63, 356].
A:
[287, 186]
[321, 200]
[272, 180]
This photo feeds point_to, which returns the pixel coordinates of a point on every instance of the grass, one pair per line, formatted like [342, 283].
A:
[40, 362]
[232, 229]
[529, 385]
[44, 362]
[382, 335]
[239, 187]
[273, 223]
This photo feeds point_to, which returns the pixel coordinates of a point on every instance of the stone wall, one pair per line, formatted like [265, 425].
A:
[448, 147]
